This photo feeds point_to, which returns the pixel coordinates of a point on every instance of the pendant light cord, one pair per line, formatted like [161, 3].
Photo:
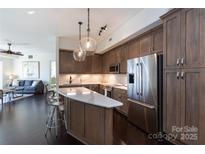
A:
[88, 30]
[80, 23]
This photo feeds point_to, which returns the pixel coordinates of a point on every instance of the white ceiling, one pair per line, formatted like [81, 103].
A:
[40, 29]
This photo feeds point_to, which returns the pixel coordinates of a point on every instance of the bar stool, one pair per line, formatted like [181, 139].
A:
[56, 114]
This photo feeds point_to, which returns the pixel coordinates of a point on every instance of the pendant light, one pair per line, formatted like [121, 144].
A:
[88, 43]
[79, 54]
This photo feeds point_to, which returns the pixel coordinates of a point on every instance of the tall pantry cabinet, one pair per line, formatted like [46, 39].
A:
[184, 75]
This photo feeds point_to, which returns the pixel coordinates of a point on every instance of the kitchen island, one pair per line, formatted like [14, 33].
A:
[89, 115]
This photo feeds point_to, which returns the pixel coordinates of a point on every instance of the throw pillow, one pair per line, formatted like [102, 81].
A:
[15, 83]
[34, 83]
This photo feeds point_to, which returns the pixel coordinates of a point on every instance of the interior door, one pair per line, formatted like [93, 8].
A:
[148, 90]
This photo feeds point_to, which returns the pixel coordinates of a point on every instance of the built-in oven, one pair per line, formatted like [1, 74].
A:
[115, 68]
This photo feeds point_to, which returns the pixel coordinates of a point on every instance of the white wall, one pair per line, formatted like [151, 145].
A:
[8, 69]
[141, 22]
[1, 74]
[44, 58]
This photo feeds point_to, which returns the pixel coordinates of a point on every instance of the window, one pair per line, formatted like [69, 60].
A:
[53, 71]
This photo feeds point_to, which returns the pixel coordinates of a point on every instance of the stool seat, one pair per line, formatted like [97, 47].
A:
[56, 103]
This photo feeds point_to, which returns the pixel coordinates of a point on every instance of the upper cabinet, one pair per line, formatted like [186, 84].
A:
[146, 44]
[184, 37]
[151, 42]
[172, 40]
[92, 64]
[157, 39]
[133, 49]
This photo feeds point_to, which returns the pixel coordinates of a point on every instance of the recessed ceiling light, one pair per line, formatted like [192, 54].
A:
[31, 12]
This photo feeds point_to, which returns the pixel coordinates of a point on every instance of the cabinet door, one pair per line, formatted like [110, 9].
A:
[94, 124]
[172, 38]
[193, 108]
[157, 40]
[125, 106]
[66, 62]
[77, 118]
[123, 59]
[134, 49]
[172, 105]
[146, 44]
[96, 64]
[106, 63]
[191, 54]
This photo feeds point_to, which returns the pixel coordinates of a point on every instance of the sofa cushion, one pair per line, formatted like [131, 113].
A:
[19, 88]
[21, 82]
[28, 82]
[29, 88]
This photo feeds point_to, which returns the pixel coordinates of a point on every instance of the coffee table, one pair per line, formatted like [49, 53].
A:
[12, 92]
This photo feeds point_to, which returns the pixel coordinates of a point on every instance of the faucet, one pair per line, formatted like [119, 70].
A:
[70, 81]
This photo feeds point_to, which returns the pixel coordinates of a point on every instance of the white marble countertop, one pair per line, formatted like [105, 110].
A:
[120, 86]
[88, 96]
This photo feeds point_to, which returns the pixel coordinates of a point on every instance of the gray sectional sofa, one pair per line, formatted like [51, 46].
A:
[29, 87]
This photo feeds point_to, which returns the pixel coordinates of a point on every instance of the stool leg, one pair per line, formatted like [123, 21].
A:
[65, 122]
[50, 120]
[56, 121]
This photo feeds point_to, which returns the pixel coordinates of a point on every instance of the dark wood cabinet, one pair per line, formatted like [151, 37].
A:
[94, 124]
[157, 40]
[123, 59]
[172, 26]
[77, 121]
[88, 123]
[67, 65]
[106, 63]
[121, 96]
[172, 107]
[146, 44]
[193, 37]
[184, 39]
[133, 49]
[184, 74]
[66, 62]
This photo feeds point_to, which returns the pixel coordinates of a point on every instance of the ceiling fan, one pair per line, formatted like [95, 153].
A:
[9, 51]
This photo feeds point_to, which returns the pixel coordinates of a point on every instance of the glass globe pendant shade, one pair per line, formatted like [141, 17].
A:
[79, 54]
[89, 45]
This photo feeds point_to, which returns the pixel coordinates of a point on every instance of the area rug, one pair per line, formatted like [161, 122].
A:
[6, 100]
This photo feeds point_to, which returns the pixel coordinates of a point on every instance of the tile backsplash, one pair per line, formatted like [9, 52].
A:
[93, 78]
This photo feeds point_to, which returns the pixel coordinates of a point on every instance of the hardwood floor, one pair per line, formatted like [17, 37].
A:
[23, 122]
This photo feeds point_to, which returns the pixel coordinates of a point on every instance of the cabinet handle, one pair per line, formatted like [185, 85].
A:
[182, 61]
[178, 59]
[182, 75]
[177, 75]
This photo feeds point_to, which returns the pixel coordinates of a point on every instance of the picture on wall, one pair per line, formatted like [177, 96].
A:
[31, 69]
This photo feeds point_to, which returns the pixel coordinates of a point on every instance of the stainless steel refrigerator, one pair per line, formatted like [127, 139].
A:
[145, 91]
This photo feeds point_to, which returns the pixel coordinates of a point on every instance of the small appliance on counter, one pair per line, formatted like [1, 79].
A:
[145, 92]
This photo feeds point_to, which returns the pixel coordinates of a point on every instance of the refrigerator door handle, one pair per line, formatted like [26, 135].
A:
[137, 70]
[141, 86]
